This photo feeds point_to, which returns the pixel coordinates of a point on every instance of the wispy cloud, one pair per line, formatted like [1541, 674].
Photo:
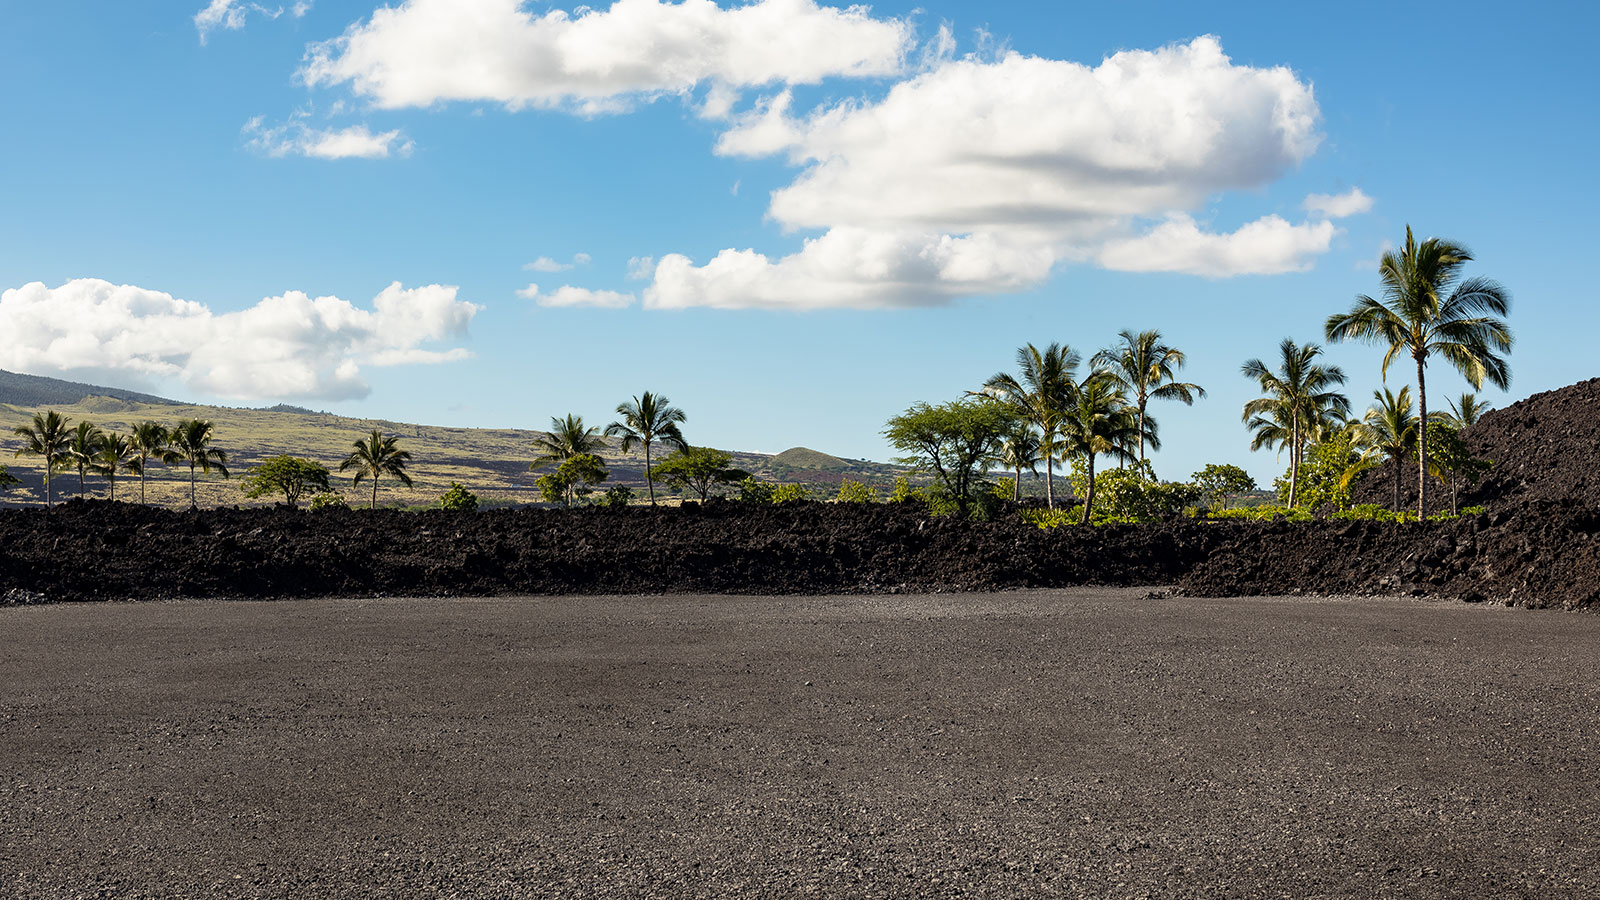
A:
[547, 264]
[230, 15]
[296, 138]
[1337, 206]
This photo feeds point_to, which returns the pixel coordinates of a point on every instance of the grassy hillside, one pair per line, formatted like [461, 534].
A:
[36, 390]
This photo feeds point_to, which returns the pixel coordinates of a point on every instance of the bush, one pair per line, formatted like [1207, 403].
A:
[328, 500]
[1005, 489]
[1133, 494]
[618, 495]
[754, 490]
[856, 492]
[459, 498]
[903, 492]
[1266, 512]
[1049, 518]
[1474, 510]
[789, 493]
[938, 499]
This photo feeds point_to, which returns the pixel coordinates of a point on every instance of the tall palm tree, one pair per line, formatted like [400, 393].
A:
[1020, 451]
[1100, 420]
[1467, 410]
[190, 442]
[377, 455]
[1146, 368]
[117, 454]
[567, 438]
[1041, 392]
[1389, 429]
[646, 419]
[149, 439]
[1298, 395]
[83, 447]
[46, 436]
[1427, 308]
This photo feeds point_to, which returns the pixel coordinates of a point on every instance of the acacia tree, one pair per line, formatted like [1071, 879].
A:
[956, 441]
[377, 455]
[1040, 393]
[1146, 368]
[83, 448]
[290, 476]
[190, 442]
[47, 436]
[1217, 481]
[1099, 421]
[646, 419]
[149, 440]
[1389, 429]
[1427, 308]
[573, 476]
[698, 469]
[116, 455]
[1297, 395]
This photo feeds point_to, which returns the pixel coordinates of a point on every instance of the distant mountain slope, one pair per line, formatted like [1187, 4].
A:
[806, 458]
[36, 390]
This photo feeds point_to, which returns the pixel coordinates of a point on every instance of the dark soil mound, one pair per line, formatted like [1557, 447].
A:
[1542, 553]
[101, 550]
[1546, 447]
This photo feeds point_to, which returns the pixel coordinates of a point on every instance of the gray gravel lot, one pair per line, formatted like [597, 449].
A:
[1069, 743]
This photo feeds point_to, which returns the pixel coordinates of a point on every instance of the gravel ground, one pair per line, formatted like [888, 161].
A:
[1083, 742]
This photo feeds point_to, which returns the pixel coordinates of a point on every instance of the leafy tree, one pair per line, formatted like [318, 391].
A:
[1039, 393]
[1146, 368]
[377, 455]
[46, 436]
[150, 439]
[1451, 462]
[851, 491]
[572, 477]
[567, 438]
[1021, 450]
[618, 495]
[956, 441]
[7, 480]
[646, 419]
[1321, 475]
[1297, 395]
[1099, 421]
[698, 469]
[1417, 318]
[790, 493]
[83, 448]
[1389, 429]
[1133, 493]
[117, 454]
[290, 476]
[754, 490]
[1218, 481]
[458, 499]
[190, 442]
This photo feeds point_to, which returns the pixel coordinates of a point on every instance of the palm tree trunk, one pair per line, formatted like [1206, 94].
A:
[374, 492]
[81, 486]
[192, 504]
[49, 498]
[1049, 447]
[141, 482]
[1088, 501]
[1422, 445]
[1399, 464]
[1016, 486]
[1142, 402]
[649, 482]
[1294, 456]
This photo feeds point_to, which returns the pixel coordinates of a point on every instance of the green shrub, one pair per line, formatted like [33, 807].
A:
[618, 495]
[903, 492]
[1474, 510]
[940, 502]
[1266, 512]
[1005, 489]
[856, 492]
[1049, 518]
[754, 490]
[789, 493]
[459, 498]
[328, 500]
[1133, 494]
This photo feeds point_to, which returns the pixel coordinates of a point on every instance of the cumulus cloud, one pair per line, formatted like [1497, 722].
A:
[595, 61]
[1338, 206]
[288, 346]
[230, 15]
[980, 175]
[547, 264]
[568, 295]
[296, 138]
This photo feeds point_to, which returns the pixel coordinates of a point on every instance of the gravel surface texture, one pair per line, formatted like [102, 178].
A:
[1059, 743]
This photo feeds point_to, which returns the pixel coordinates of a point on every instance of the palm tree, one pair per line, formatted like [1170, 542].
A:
[83, 447]
[1040, 392]
[374, 456]
[117, 453]
[1297, 397]
[1415, 317]
[189, 442]
[1020, 451]
[1100, 420]
[1145, 367]
[1467, 410]
[149, 439]
[47, 436]
[567, 438]
[1388, 429]
[646, 419]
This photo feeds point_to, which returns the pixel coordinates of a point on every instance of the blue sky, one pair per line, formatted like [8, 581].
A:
[948, 182]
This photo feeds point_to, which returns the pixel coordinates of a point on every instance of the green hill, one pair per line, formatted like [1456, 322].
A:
[806, 458]
[35, 390]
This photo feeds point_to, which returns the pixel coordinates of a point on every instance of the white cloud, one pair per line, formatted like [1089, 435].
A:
[596, 61]
[568, 295]
[288, 346]
[980, 176]
[546, 264]
[230, 15]
[1337, 206]
[295, 138]
[640, 268]
[1267, 246]
[301, 8]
